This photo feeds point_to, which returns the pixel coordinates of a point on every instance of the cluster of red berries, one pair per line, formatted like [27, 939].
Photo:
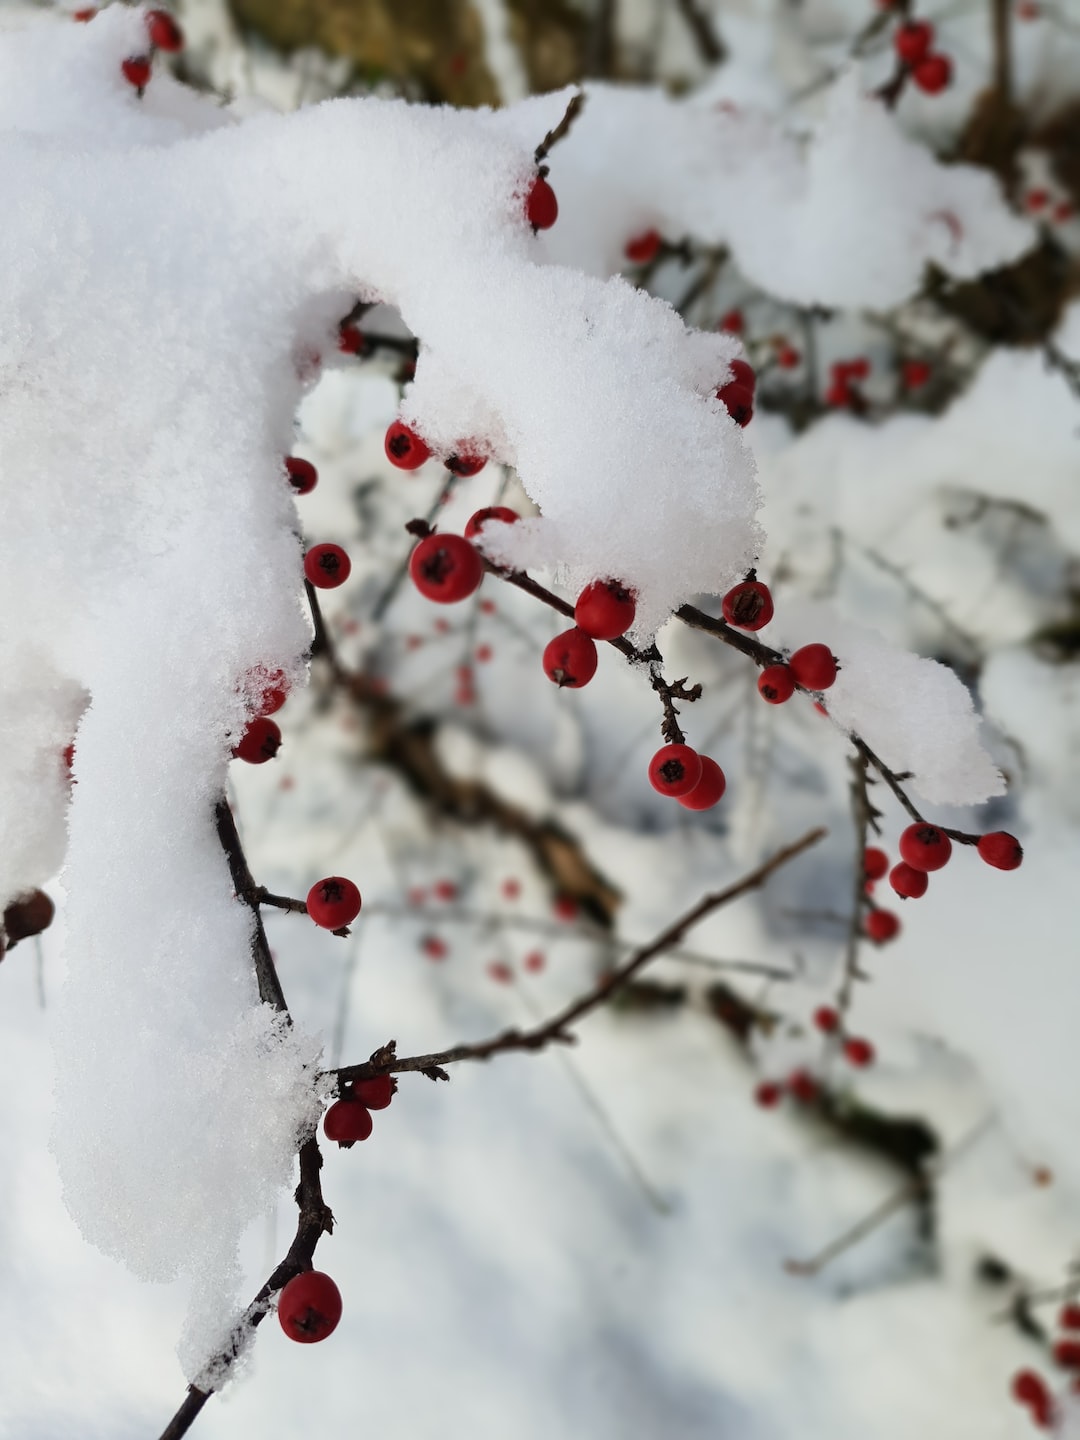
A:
[1031, 1390]
[1040, 202]
[325, 567]
[925, 848]
[929, 69]
[843, 377]
[163, 33]
[749, 606]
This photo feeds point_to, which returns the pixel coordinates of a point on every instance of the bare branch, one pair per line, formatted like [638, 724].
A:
[557, 1028]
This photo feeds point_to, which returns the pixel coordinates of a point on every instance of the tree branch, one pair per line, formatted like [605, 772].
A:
[556, 1029]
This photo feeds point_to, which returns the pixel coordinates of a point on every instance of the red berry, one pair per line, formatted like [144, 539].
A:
[605, 609]
[541, 206]
[570, 660]
[738, 400]
[433, 947]
[912, 41]
[446, 568]
[813, 667]
[1027, 10]
[882, 926]
[260, 742]
[826, 1019]
[710, 788]
[803, 1086]
[444, 890]
[29, 915]
[565, 908]
[268, 689]
[1001, 850]
[404, 448]
[68, 757]
[333, 902]
[163, 30]
[1063, 211]
[1069, 1317]
[787, 357]
[346, 1122]
[933, 74]
[309, 1307]
[303, 477]
[464, 465]
[909, 883]
[1036, 200]
[375, 1093]
[767, 1094]
[84, 15]
[732, 322]
[776, 684]
[511, 889]
[327, 566]
[535, 962]
[675, 770]
[490, 512]
[839, 395]
[643, 249]
[1029, 1388]
[925, 847]
[1067, 1354]
[742, 373]
[859, 1053]
[857, 369]
[350, 339]
[136, 70]
[875, 863]
[749, 605]
[483, 654]
[914, 374]
[500, 972]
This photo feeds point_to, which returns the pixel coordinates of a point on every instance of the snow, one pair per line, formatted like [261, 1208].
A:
[616, 1216]
[850, 216]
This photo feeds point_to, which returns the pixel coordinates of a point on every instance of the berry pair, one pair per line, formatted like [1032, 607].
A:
[349, 1119]
[696, 781]
[408, 451]
[856, 1051]
[930, 70]
[813, 667]
[605, 610]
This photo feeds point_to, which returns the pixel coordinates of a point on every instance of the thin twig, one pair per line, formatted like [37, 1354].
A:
[710, 46]
[561, 130]
[557, 1028]
[270, 992]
